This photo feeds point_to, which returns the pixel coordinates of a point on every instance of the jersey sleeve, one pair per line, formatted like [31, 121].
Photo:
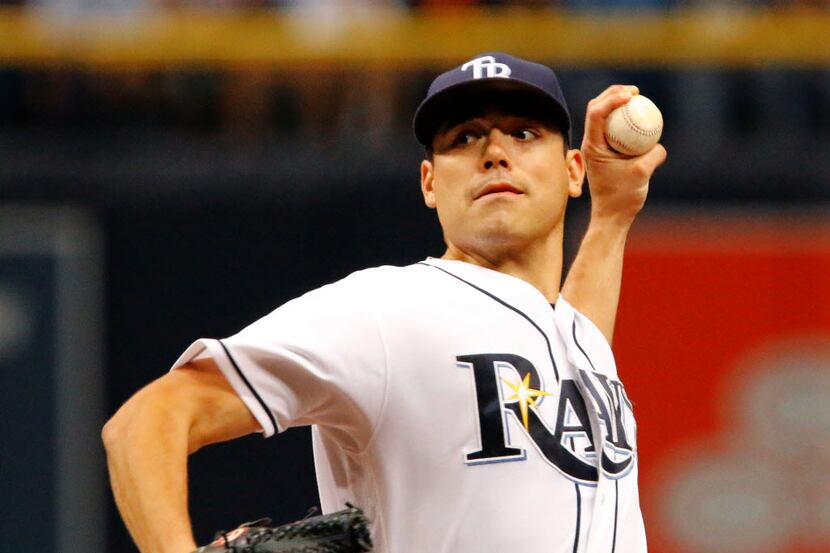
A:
[318, 359]
[587, 346]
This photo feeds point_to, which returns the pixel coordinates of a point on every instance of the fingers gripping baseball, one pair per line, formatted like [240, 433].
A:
[598, 111]
[618, 182]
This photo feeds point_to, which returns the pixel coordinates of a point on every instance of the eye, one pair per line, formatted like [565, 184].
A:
[525, 134]
[464, 137]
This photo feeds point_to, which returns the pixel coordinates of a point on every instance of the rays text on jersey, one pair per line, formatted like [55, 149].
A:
[509, 386]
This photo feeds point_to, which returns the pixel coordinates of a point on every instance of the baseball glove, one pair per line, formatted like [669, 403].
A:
[345, 531]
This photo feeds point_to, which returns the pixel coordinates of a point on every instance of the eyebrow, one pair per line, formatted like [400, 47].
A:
[450, 125]
[467, 121]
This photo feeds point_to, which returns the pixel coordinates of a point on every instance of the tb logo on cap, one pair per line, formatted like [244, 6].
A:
[487, 66]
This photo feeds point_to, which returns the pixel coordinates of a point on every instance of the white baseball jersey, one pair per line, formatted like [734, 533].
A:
[452, 403]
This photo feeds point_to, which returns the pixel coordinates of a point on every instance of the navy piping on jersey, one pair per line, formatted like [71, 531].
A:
[578, 516]
[616, 509]
[616, 482]
[248, 384]
[507, 305]
[573, 329]
[578, 509]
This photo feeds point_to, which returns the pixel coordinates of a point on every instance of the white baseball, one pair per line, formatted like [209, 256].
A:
[634, 127]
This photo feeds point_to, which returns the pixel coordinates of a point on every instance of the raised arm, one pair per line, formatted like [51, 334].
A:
[619, 185]
[148, 441]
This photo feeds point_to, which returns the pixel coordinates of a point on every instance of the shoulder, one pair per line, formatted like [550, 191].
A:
[386, 281]
[373, 282]
[361, 292]
[383, 273]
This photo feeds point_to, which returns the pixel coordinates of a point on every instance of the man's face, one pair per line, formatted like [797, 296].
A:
[500, 182]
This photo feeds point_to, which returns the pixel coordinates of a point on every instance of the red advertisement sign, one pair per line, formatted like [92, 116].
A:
[723, 342]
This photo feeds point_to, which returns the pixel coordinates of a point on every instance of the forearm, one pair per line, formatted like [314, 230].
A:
[594, 281]
[147, 458]
[619, 186]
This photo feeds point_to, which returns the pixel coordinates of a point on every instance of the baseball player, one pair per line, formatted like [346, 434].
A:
[468, 403]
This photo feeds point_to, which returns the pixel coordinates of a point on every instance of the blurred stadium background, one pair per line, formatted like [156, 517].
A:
[171, 169]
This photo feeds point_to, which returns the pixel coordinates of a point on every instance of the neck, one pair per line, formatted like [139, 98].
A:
[539, 264]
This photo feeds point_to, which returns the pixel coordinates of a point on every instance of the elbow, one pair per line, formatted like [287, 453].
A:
[127, 423]
[115, 429]
[108, 433]
[169, 410]
[147, 418]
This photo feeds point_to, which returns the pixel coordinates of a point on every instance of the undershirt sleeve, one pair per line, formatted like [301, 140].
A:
[318, 359]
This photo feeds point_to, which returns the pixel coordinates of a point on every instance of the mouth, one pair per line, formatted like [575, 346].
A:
[498, 189]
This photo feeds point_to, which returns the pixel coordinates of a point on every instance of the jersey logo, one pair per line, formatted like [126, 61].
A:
[487, 66]
[615, 413]
[508, 385]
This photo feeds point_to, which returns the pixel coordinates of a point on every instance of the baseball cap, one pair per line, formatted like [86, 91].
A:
[496, 77]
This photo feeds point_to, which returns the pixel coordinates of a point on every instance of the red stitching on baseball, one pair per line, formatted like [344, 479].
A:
[625, 148]
[634, 126]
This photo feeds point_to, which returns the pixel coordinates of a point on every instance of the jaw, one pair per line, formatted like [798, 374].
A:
[505, 225]
[500, 236]
[536, 261]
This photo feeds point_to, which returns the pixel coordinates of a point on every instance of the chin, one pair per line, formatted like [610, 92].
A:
[499, 238]
[496, 231]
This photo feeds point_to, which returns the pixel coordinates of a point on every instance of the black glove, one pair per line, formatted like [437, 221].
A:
[345, 531]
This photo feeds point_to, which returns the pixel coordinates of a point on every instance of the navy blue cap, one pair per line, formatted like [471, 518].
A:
[496, 77]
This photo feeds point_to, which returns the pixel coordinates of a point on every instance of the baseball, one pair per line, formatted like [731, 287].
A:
[635, 127]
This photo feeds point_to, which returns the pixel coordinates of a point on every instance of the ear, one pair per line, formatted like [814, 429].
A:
[575, 166]
[427, 182]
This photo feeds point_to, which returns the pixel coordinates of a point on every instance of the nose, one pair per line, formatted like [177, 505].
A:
[495, 152]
